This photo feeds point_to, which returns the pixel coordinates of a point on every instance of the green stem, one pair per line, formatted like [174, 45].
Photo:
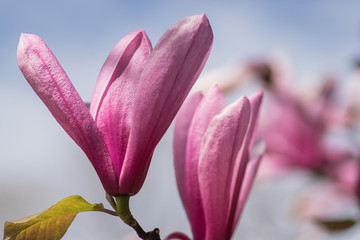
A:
[123, 210]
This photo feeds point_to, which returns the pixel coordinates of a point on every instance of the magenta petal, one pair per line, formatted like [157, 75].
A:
[255, 101]
[117, 84]
[220, 148]
[211, 105]
[117, 62]
[46, 76]
[181, 130]
[247, 183]
[178, 236]
[241, 164]
[168, 76]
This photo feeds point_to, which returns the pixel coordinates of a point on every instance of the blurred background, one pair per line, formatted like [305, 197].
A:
[40, 164]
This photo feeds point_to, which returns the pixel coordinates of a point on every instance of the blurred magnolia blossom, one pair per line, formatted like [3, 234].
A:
[350, 100]
[297, 124]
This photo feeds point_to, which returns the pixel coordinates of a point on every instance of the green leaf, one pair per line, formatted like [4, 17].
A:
[50, 224]
[336, 225]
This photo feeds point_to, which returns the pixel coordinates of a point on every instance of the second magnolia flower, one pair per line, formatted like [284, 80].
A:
[137, 95]
[212, 148]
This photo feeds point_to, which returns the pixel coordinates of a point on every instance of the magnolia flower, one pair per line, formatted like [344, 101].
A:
[212, 145]
[293, 138]
[298, 135]
[296, 123]
[137, 94]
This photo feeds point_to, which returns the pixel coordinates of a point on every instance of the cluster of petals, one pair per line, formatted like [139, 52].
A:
[295, 126]
[213, 162]
[138, 93]
[294, 139]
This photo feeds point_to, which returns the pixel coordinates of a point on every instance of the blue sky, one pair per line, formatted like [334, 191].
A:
[319, 36]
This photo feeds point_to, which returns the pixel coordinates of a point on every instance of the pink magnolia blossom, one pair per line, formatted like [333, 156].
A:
[294, 139]
[296, 125]
[212, 145]
[137, 95]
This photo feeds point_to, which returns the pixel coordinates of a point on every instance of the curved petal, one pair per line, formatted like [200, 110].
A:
[177, 235]
[116, 63]
[211, 105]
[250, 174]
[240, 165]
[167, 78]
[117, 84]
[220, 147]
[48, 79]
[256, 101]
[181, 130]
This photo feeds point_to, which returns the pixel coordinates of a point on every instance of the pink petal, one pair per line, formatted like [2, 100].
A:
[240, 165]
[116, 63]
[177, 235]
[168, 76]
[220, 148]
[290, 132]
[212, 103]
[181, 130]
[256, 101]
[250, 174]
[46, 76]
[115, 90]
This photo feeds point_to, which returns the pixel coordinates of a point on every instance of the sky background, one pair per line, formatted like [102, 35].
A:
[40, 164]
